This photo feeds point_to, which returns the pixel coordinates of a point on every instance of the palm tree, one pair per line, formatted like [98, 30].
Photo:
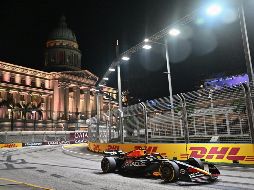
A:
[30, 108]
[25, 108]
[10, 104]
[36, 109]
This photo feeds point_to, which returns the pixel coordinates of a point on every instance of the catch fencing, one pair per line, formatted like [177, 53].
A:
[212, 115]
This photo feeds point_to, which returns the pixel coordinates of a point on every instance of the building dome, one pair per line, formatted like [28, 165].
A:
[62, 50]
[62, 32]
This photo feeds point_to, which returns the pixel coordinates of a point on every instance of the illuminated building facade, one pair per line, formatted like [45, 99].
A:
[55, 98]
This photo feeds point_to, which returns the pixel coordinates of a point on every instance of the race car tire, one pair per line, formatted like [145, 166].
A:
[196, 163]
[108, 164]
[169, 171]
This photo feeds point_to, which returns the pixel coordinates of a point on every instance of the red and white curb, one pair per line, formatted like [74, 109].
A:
[80, 153]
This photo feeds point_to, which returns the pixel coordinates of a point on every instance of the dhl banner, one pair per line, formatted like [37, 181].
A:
[226, 153]
[11, 145]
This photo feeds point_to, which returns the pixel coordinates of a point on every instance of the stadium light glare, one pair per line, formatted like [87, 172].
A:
[213, 10]
[125, 58]
[174, 32]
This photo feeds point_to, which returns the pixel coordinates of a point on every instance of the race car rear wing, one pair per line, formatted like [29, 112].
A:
[113, 153]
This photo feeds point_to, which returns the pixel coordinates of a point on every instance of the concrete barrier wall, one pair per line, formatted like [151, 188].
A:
[38, 138]
[42, 136]
[224, 153]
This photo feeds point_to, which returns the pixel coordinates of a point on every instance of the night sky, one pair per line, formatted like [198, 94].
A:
[207, 47]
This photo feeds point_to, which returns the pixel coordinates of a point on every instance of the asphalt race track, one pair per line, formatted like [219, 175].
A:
[74, 167]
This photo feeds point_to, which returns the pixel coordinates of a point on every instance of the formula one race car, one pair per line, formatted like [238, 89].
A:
[138, 162]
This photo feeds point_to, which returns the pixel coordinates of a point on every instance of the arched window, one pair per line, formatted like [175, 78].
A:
[12, 79]
[60, 57]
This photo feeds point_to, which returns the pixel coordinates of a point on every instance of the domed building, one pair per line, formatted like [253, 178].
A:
[60, 98]
[62, 53]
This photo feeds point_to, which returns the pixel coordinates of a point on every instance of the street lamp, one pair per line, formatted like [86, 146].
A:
[111, 69]
[125, 58]
[146, 46]
[173, 32]
[105, 78]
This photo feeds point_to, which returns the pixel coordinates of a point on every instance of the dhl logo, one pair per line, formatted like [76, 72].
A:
[149, 149]
[96, 147]
[229, 153]
[113, 147]
[9, 146]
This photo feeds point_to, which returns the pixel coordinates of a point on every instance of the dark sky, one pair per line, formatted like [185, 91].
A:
[208, 49]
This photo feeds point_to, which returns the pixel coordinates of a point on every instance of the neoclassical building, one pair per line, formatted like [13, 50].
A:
[63, 93]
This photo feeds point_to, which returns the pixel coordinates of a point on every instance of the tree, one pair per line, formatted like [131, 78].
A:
[25, 108]
[36, 109]
[10, 104]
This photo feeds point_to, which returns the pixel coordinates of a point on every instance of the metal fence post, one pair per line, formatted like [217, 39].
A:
[121, 127]
[184, 118]
[110, 119]
[97, 118]
[249, 109]
[145, 121]
[6, 136]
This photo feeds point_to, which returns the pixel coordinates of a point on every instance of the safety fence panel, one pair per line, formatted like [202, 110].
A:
[134, 124]
[212, 115]
[165, 120]
[102, 131]
[217, 115]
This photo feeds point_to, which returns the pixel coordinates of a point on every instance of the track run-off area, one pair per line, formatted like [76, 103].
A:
[74, 167]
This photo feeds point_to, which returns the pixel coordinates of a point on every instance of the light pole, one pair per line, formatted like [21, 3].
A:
[121, 128]
[173, 32]
[170, 88]
[214, 10]
[119, 85]
[245, 43]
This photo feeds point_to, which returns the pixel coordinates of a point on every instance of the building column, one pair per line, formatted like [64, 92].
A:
[61, 101]
[87, 104]
[82, 105]
[6, 76]
[49, 106]
[3, 109]
[28, 98]
[76, 100]
[44, 99]
[16, 98]
[55, 100]
[66, 102]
